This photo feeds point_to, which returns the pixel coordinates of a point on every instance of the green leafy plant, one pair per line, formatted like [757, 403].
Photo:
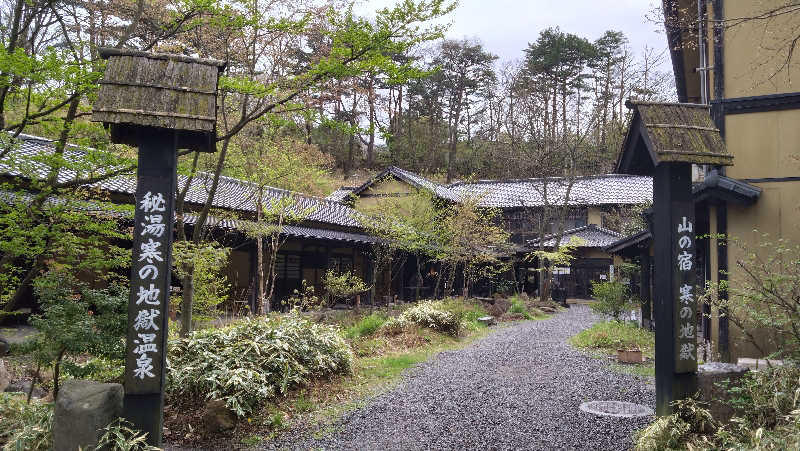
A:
[612, 298]
[763, 295]
[469, 310]
[767, 418]
[428, 314]
[368, 325]
[690, 418]
[255, 360]
[101, 369]
[394, 326]
[343, 285]
[25, 426]
[518, 307]
[304, 299]
[76, 320]
[120, 436]
[211, 285]
[608, 336]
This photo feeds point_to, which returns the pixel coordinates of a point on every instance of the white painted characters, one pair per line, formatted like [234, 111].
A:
[149, 252]
[685, 226]
[153, 202]
[687, 327]
[153, 229]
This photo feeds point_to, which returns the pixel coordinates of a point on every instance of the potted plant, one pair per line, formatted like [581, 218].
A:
[633, 355]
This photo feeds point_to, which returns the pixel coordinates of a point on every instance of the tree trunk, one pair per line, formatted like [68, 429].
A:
[260, 256]
[187, 297]
[371, 144]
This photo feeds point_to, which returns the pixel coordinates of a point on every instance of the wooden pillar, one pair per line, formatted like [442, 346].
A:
[644, 287]
[254, 281]
[146, 344]
[675, 306]
[722, 264]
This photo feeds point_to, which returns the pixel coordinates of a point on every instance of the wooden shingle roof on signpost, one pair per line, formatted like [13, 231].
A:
[670, 133]
[159, 90]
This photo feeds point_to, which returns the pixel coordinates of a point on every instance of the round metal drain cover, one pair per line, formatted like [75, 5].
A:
[616, 409]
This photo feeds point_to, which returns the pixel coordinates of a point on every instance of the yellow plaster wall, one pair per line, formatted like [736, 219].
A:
[593, 253]
[595, 216]
[777, 213]
[753, 66]
[764, 144]
[384, 187]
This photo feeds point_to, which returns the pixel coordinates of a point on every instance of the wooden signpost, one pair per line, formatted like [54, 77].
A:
[675, 305]
[664, 140]
[159, 103]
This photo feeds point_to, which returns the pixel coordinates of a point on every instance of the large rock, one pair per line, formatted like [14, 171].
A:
[711, 381]
[218, 417]
[5, 376]
[23, 386]
[83, 409]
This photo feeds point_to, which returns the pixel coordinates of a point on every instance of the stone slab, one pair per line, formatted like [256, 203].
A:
[83, 409]
[710, 377]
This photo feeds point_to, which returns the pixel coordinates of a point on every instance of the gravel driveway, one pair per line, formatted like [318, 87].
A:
[518, 388]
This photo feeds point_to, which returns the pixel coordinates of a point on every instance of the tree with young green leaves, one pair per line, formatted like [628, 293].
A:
[264, 77]
[474, 241]
[49, 73]
[75, 320]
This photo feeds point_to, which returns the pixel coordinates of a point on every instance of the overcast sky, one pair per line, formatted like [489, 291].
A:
[505, 27]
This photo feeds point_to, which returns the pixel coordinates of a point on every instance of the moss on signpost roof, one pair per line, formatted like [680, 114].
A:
[671, 132]
[166, 91]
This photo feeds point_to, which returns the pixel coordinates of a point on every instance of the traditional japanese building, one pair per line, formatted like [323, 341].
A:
[590, 206]
[330, 236]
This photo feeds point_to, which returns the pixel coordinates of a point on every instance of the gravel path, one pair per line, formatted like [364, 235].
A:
[518, 388]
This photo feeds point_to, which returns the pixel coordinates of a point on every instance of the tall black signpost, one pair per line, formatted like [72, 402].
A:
[664, 140]
[159, 103]
[675, 304]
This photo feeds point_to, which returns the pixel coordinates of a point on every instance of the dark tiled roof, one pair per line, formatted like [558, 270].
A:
[341, 194]
[109, 210]
[725, 188]
[412, 179]
[628, 241]
[606, 189]
[232, 194]
[289, 230]
[592, 236]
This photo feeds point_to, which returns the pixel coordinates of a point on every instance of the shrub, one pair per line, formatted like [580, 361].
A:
[254, 361]
[366, 326]
[764, 398]
[76, 320]
[609, 336]
[343, 285]
[612, 298]
[120, 436]
[304, 299]
[470, 310]
[690, 418]
[99, 369]
[763, 295]
[431, 315]
[211, 286]
[25, 426]
[394, 326]
[666, 433]
[518, 307]
[769, 418]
